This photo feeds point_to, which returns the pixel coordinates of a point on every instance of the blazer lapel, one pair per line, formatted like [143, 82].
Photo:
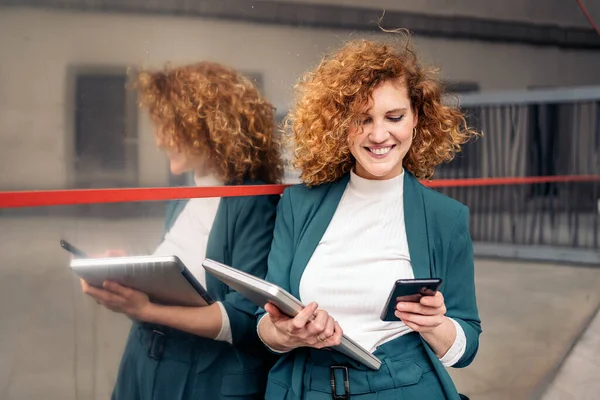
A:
[217, 246]
[316, 227]
[416, 227]
[172, 213]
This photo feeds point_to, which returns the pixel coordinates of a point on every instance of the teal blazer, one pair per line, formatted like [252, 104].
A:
[439, 244]
[241, 236]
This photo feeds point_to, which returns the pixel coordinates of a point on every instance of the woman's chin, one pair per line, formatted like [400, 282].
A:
[380, 172]
[177, 170]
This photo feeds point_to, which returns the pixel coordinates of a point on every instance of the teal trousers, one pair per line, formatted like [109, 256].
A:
[406, 373]
[161, 363]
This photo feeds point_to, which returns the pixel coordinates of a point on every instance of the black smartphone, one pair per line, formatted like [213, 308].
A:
[409, 290]
[72, 249]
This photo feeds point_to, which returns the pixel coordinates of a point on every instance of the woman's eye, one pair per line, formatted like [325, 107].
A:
[366, 121]
[396, 119]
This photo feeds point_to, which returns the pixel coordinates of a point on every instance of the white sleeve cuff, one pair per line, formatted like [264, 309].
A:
[225, 333]
[457, 349]
[269, 347]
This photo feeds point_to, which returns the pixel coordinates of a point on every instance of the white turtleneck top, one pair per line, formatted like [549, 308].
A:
[362, 253]
[188, 237]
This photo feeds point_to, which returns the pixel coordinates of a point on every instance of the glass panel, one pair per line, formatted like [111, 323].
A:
[70, 118]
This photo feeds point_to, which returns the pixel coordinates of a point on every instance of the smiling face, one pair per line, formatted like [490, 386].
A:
[387, 131]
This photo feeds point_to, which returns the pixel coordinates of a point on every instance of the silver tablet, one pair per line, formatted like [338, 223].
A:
[261, 292]
[165, 279]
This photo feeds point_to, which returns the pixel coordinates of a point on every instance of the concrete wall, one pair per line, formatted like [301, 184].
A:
[38, 47]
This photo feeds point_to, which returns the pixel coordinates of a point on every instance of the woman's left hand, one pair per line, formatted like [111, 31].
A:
[424, 316]
[119, 298]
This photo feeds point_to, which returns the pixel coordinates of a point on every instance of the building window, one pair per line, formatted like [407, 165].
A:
[105, 136]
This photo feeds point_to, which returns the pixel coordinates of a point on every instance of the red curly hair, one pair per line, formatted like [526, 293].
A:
[331, 98]
[210, 110]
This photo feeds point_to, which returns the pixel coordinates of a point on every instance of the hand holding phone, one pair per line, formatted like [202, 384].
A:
[408, 290]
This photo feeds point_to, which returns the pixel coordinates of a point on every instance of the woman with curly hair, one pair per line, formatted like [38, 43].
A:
[367, 122]
[214, 123]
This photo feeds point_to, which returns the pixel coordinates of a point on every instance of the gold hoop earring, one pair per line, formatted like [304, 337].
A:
[414, 132]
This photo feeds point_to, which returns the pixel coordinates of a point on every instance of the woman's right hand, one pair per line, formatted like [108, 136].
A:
[106, 254]
[310, 328]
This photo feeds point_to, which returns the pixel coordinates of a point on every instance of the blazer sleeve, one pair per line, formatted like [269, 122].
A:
[282, 248]
[459, 291]
[252, 236]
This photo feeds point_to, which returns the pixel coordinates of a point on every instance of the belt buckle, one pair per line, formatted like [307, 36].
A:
[346, 395]
[157, 339]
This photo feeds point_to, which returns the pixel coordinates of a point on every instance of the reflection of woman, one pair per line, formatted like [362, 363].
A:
[369, 121]
[214, 123]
